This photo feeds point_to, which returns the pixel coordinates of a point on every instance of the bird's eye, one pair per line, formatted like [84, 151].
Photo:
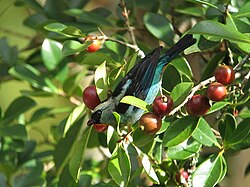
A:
[97, 115]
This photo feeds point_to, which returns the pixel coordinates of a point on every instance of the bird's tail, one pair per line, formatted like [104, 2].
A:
[180, 46]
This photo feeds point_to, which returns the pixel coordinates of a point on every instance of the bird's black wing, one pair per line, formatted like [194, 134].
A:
[140, 77]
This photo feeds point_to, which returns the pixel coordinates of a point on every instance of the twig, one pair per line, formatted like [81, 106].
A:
[193, 90]
[17, 34]
[242, 62]
[105, 37]
[125, 13]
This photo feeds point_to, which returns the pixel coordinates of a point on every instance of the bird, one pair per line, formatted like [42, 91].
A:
[142, 81]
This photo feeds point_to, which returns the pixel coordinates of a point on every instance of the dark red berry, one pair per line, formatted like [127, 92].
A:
[162, 105]
[224, 74]
[90, 97]
[100, 127]
[216, 91]
[150, 123]
[198, 105]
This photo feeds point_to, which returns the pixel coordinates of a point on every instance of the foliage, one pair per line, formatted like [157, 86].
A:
[58, 64]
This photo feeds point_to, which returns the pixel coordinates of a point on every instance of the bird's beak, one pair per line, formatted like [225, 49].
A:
[91, 122]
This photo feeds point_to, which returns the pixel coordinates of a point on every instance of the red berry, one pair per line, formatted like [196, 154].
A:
[216, 91]
[94, 46]
[224, 74]
[184, 174]
[100, 127]
[198, 105]
[90, 97]
[150, 123]
[162, 105]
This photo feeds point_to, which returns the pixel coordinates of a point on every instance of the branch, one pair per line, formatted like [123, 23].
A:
[193, 90]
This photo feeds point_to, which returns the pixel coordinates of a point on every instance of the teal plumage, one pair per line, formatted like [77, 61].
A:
[142, 81]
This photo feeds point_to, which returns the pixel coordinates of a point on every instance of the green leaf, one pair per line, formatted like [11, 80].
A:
[33, 5]
[211, 66]
[73, 117]
[119, 166]
[204, 134]
[215, 29]
[55, 27]
[204, 3]
[184, 150]
[51, 53]
[180, 92]
[160, 27]
[147, 166]
[76, 161]
[112, 138]
[8, 54]
[179, 131]
[227, 126]
[34, 174]
[135, 102]
[140, 138]
[67, 146]
[171, 77]
[17, 107]
[244, 114]
[101, 81]
[182, 65]
[239, 138]
[73, 31]
[16, 132]
[210, 172]
[244, 11]
[71, 47]
[201, 44]
[88, 16]
[217, 106]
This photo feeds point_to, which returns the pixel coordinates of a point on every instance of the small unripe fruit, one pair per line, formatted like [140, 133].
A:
[94, 46]
[224, 74]
[198, 105]
[216, 91]
[100, 127]
[90, 97]
[183, 174]
[162, 105]
[150, 123]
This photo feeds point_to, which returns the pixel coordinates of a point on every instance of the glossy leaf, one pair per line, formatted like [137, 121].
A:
[184, 150]
[204, 134]
[88, 16]
[171, 77]
[73, 117]
[227, 126]
[180, 92]
[67, 146]
[160, 27]
[135, 102]
[215, 29]
[217, 106]
[51, 53]
[239, 138]
[182, 65]
[147, 166]
[244, 11]
[76, 161]
[119, 167]
[140, 138]
[101, 81]
[179, 131]
[71, 47]
[17, 107]
[8, 54]
[244, 114]
[209, 172]
[33, 76]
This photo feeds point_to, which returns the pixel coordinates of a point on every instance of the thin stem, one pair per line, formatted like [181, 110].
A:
[193, 90]
[125, 13]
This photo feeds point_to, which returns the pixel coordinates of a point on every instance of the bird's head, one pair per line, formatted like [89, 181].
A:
[95, 118]
[103, 114]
